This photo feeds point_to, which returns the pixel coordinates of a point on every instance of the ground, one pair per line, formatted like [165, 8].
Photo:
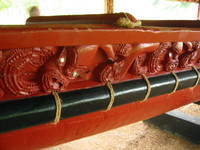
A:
[137, 136]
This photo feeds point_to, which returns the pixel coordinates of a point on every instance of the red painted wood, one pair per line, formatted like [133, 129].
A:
[114, 54]
[81, 126]
[34, 35]
[40, 70]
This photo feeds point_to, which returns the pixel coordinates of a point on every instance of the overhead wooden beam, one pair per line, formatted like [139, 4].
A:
[109, 6]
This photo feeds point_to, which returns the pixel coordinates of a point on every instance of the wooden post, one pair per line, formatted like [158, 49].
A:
[109, 6]
[198, 13]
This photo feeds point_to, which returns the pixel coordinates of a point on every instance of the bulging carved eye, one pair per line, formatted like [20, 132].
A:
[75, 74]
[170, 55]
[72, 73]
[62, 60]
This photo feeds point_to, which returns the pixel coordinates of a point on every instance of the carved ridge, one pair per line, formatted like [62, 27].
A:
[13, 70]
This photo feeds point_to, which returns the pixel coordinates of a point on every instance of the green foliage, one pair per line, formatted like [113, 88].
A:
[170, 5]
[5, 4]
[156, 2]
[185, 5]
[17, 4]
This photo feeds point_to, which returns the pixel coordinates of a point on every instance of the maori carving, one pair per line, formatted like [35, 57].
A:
[172, 60]
[123, 49]
[20, 70]
[29, 71]
[187, 58]
[155, 62]
[111, 71]
[80, 61]
[53, 78]
[167, 57]
[139, 65]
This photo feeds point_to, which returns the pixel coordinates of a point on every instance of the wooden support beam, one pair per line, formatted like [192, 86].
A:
[109, 6]
[198, 13]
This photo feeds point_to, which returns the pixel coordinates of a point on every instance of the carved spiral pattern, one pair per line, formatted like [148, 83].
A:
[138, 67]
[186, 59]
[29, 71]
[123, 49]
[168, 57]
[52, 80]
[155, 60]
[171, 64]
[20, 69]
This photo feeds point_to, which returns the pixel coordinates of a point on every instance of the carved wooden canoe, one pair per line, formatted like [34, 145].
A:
[77, 57]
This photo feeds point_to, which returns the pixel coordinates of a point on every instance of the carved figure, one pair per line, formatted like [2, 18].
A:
[53, 78]
[111, 70]
[187, 58]
[132, 54]
[155, 62]
[139, 65]
[172, 58]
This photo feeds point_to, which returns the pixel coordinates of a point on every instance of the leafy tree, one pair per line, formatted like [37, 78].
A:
[5, 4]
[17, 3]
[170, 4]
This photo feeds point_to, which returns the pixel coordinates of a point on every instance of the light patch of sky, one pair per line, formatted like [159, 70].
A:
[145, 9]
[141, 9]
[18, 15]
[69, 7]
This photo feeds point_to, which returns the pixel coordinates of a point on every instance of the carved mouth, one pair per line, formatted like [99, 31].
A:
[53, 81]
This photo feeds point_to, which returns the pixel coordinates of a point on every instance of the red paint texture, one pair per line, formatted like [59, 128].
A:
[77, 127]
[37, 59]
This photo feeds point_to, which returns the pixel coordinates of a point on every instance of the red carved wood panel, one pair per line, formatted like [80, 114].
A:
[41, 70]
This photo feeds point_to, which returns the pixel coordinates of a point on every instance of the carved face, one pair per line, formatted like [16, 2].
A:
[172, 61]
[53, 78]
